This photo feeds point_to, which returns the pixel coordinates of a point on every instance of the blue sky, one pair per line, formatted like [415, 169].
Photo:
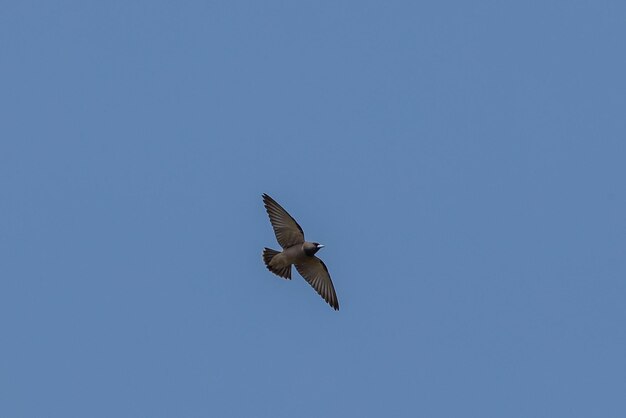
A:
[463, 163]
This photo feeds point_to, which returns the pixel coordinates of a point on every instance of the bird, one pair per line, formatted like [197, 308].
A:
[298, 252]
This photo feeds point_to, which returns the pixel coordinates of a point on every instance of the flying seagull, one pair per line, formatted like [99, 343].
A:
[298, 252]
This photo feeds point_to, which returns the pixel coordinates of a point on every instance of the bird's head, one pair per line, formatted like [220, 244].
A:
[311, 248]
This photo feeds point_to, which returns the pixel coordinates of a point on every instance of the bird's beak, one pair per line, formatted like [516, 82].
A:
[320, 246]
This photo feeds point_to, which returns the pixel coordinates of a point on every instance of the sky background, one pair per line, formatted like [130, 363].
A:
[463, 162]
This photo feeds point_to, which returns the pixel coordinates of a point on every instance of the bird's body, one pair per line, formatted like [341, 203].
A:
[297, 252]
[288, 257]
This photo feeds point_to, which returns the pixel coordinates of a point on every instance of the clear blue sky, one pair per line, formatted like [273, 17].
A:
[463, 162]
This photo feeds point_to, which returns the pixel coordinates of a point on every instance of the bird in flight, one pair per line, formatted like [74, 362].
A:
[298, 252]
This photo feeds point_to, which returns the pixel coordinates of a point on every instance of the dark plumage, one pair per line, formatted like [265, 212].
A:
[298, 252]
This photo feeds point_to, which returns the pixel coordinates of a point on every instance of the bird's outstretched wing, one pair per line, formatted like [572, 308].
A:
[287, 230]
[315, 272]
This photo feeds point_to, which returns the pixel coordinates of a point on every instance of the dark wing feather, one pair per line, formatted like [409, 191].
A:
[315, 272]
[287, 230]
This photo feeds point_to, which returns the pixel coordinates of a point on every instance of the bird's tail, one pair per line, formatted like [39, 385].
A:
[284, 272]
